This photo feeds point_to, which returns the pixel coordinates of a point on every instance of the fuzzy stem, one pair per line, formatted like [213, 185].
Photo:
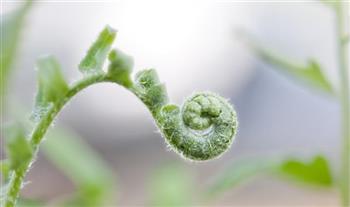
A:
[39, 131]
[203, 129]
[200, 112]
[341, 16]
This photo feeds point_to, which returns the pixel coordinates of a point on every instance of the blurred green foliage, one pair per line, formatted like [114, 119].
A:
[91, 175]
[10, 27]
[93, 179]
[29, 203]
[242, 171]
[316, 172]
[18, 148]
[171, 185]
[310, 73]
[5, 170]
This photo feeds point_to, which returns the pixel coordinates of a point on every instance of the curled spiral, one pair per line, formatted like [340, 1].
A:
[204, 127]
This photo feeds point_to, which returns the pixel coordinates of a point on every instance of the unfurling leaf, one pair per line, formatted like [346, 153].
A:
[317, 172]
[150, 90]
[120, 68]
[51, 84]
[94, 59]
[18, 149]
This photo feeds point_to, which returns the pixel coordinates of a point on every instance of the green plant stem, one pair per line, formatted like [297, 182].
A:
[176, 125]
[345, 101]
[39, 131]
[204, 111]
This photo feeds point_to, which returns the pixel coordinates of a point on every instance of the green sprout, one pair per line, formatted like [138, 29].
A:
[203, 129]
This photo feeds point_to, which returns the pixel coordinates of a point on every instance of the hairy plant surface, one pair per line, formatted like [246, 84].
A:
[202, 129]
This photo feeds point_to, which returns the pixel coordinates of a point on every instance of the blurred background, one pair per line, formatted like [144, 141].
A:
[193, 46]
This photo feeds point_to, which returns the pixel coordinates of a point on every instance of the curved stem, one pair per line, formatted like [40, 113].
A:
[342, 24]
[202, 111]
[209, 114]
[40, 130]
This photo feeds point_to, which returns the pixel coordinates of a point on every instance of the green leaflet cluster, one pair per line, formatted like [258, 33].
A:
[203, 129]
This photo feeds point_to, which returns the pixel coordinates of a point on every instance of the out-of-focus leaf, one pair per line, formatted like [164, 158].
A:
[91, 175]
[239, 172]
[331, 3]
[316, 172]
[3, 190]
[171, 185]
[309, 73]
[29, 203]
[10, 27]
[346, 39]
[120, 68]
[93, 61]
[18, 149]
[5, 170]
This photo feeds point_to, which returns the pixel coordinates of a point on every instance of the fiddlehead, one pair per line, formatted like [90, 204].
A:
[203, 129]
